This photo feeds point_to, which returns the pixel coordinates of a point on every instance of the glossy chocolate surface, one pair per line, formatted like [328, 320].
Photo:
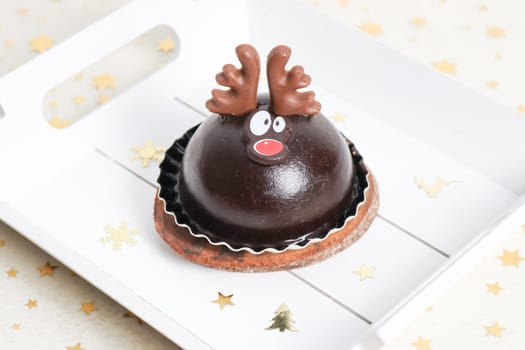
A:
[229, 197]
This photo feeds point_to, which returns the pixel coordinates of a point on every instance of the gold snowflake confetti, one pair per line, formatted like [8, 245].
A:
[422, 344]
[371, 28]
[166, 45]
[119, 235]
[436, 188]
[104, 81]
[495, 32]
[87, 307]
[223, 300]
[147, 153]
[494, 330]
[365, 272]
[445, 66]
[41, 43]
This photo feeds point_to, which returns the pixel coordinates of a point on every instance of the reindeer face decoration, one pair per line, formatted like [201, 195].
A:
[268, 125]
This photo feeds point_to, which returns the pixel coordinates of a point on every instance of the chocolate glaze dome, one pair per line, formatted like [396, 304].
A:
[263, 171]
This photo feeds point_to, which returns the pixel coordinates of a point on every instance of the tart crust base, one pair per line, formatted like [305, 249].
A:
[199, 251]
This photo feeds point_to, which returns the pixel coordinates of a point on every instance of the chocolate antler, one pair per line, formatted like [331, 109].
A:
[241, 98]
[284, 97]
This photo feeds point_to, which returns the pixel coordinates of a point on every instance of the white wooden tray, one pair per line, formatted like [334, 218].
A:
[62, 188]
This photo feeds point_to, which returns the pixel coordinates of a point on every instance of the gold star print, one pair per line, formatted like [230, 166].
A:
[31, 303]
[11, 273]
[365, 272]
[422, 343]
[78, 100]
[494, 288]
[75, 347]
[494, 330]
[103, 99]
[147, 153]
[58, 122]
[339, 117]
[521, 108]
[2, 243]
[16, 326]
[53, 104]
[445, 67]
[47, 269]
[495, 32]
[510, 258]
[104, 81]
[166, 45]
[418, 22]
[119, 235]
[223, 300]
[130, 314]
[371, 28]
[41, 43]
[88, 307]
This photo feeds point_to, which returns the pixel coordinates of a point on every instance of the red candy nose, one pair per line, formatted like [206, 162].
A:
[268, 147]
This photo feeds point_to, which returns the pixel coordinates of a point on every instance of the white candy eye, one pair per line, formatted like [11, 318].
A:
[279, 124]
[260, 123]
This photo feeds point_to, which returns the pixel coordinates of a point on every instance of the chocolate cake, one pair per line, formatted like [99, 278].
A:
[266, 182]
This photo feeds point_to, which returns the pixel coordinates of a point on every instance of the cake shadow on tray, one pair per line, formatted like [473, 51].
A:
[266, 183]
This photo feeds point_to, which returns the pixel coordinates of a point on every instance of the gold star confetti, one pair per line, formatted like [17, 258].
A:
[79, 76]
[166, 45]
[428, 309]
[497, 56]
[365, 272]
[509, 258]
[494, 330]
[104, 81]
[87, 307]
[119, 235]
[339, 117]
[418, 22]
[521, 108]
[31, 303]
[41, 43]
[223, 300]
[492, 84]
[8, 43]
[147, 153]
[53, 104]
[344, 2]
[78, 100]
[422, 344]
[445, 67]
[130, 314]
[74, 347]
[23, 11]
[495, 32]
[16, 326]
[483, 8]
[11, 273]
[371, 28]
[494, 288]
[103, 99]
[282, 320]
[47, 269]
[2, 243]
[58, 122]
[436, 188]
